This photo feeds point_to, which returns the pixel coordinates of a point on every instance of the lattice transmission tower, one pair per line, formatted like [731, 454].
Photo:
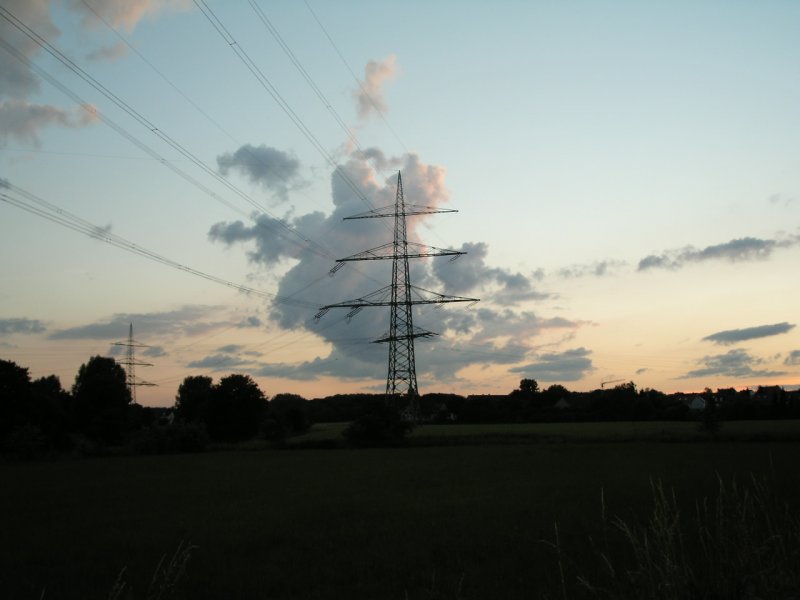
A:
[400, 295]
[130, 363]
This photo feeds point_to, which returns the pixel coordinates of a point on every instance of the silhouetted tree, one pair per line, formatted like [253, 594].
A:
[15, 390]
[528, 386]
[101, 399]
[287, 414]
[50, 411]
[710, 418]
[236, 409]
[193, 399]
[556, 392]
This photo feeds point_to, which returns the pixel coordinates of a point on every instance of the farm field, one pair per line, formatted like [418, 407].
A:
[621, 431]
[465, 521]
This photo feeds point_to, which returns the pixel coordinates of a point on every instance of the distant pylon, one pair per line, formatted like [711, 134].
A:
[130, 363]
[400, 296]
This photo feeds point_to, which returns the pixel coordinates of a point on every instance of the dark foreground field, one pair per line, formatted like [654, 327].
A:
[417, 523]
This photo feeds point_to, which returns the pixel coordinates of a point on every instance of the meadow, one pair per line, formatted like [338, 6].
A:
[579, 432]
[419, 522]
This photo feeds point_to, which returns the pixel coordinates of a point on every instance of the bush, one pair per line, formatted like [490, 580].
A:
[168, 439]
[384, 427]
[27, 442]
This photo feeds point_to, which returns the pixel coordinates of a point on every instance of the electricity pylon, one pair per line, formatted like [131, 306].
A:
[400, 295]
[130, 363]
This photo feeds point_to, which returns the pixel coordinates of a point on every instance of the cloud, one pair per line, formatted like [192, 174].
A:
[370, 94]
[337, 364]
[474, 275]
[249, 322]
[125, 14]
[782, 199]
[23, 120]
[493, 332]
[12, 326]
[793, 359]
[231, 349]
[16, 80]
[595, 269]
[114, 52]
[738, 250]
[273, 169]
[188, 320]
[154, 351]
[642, 371]
[570, 365]
[218, 362]
[735, 363]
[732, 336]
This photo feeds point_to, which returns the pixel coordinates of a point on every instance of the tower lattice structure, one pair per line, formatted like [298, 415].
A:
[400, 296]
[130, 363]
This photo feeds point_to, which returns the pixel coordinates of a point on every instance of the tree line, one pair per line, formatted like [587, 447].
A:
[40, 416]
[97, 411]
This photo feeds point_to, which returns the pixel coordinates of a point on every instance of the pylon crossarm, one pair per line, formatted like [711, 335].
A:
[418, 333]
[391, 211]
[136, 363]
[376, 298]
[428, 297]
[412, 250]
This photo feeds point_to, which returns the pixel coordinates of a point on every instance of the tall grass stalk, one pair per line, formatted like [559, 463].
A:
[743, 544]
[166, 577]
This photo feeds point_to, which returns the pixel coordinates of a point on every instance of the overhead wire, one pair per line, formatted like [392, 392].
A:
[308, 332]
[252, 155]
[364, 91]
[265, 83]
[311, 245]
[60, 216]
[184, 152]
[96, 232]
[375, 105]
[312, 84]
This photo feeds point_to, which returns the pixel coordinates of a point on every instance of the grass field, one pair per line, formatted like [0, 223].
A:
[623, 431]
[420, 523]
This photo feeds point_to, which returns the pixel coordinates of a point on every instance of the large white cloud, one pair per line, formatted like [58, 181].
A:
[494, 332]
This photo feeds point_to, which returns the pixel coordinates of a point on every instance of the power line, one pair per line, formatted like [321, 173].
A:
[365, 92]
[264, 81]
[185, 96]
[375, 105]
[139, 118]
[301, 69]
[60, 216]
[92, 230]
[310, 81]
